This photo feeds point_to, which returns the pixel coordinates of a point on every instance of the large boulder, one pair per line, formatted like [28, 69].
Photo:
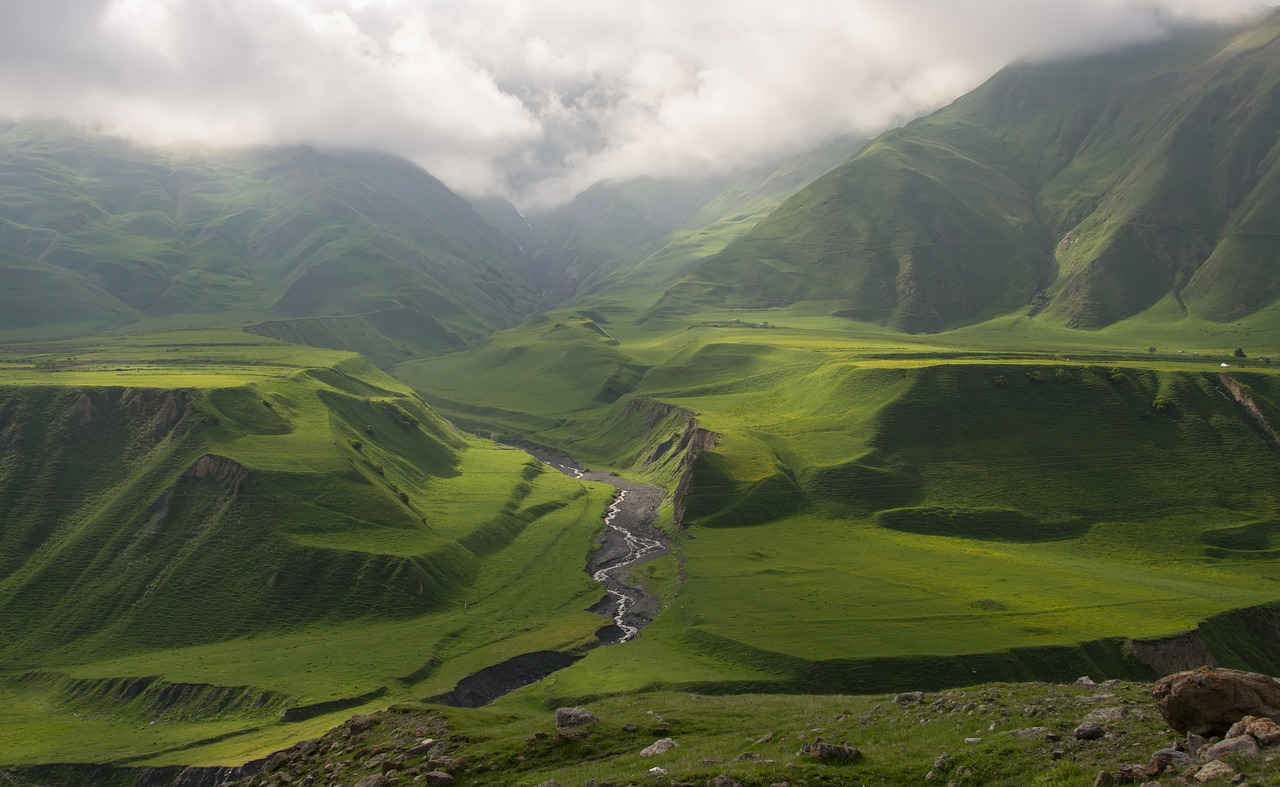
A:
[1207, 701]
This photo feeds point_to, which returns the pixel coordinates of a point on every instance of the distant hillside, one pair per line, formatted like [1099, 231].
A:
[1090, 189]
[353, 250]
[646, 232]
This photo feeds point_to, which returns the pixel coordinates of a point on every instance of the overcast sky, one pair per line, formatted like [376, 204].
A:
[536, 99]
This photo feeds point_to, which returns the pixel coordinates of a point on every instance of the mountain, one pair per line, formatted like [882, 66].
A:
[646, 232]
[347, 250]
[1090, 189]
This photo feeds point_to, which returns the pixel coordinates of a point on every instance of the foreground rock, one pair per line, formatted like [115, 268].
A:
[1208, 701]
[830, 751]
[575, 717]
[659, 747]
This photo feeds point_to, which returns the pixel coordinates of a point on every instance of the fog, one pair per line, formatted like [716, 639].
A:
[535, 100]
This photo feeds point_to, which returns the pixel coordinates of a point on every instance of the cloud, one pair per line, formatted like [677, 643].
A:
[536, 99]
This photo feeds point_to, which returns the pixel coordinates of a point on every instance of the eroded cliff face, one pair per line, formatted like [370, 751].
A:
[1171, 654]
[674, 440]
[1243, 638]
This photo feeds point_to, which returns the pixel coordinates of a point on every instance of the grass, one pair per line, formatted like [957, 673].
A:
[349, 547]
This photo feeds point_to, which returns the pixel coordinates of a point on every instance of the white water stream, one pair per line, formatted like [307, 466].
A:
[637, 548]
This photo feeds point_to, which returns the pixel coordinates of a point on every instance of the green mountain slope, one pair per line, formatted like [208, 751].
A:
[618, 241]
[1091, 189]
[317, 247]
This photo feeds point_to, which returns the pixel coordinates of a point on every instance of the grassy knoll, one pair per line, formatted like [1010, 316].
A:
[222, 529]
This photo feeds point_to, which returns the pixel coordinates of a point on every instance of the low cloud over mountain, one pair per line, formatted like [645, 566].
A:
[535, 100]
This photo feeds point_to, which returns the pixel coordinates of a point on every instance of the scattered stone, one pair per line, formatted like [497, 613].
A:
[1058, 754]
[763, 739]
[658, 747]
[550, 783]
[426, 747]
[575, 717]
[746, 755]
[1207, 701]
[658, 771]
[275, 762]
[908, 697]
[830, 751]
[1172, 758]
[1085, 681]
[1195, 742]
[972, 740]
[1029, 732]
[437, 778]
[392, 765]
[629, 727]
[1138, 774]
[1089, 731]
[377, 780]
[1107, 714]
[1244, 746]
[564, 734]
[1239, 778]
[723, 780]
[1214, 770]
[1103, 777]
[1264, 731]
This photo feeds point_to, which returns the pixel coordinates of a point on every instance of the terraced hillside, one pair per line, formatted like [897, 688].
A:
[225, 538]
[1090, 190]
[353, 251]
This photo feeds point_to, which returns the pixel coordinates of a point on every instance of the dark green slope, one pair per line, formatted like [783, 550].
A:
[39, 293]
[609, 223]
[133, 530]
[1091, 189]
[314, 245]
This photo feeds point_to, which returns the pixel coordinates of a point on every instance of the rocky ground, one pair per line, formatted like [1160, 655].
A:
[1099, 734]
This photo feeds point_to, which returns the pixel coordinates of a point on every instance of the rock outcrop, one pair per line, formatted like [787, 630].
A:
[1208, 701]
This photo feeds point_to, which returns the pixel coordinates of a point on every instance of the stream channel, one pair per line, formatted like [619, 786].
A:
[630, 536]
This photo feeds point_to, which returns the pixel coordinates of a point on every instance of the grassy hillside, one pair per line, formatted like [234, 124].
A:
[225, 537]
[1089, 190]
[345, 250]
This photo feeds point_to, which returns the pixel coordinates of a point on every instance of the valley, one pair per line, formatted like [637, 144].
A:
[292, 438]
